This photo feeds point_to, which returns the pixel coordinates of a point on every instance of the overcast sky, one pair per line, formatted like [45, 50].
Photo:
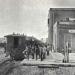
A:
[28, 16]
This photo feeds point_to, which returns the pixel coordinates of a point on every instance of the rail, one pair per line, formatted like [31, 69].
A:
[53, 68]
[6, 66]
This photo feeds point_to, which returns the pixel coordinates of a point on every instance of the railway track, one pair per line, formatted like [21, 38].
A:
[6, 67]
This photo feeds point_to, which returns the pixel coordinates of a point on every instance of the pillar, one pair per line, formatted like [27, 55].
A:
[50, 26]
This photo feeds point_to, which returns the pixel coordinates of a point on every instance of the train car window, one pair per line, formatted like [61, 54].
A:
[16, 42]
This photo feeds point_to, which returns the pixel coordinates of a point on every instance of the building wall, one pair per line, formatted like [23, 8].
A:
[73, 42]
[55, 36]
[58, 37]
[63, 36]
[61, 39]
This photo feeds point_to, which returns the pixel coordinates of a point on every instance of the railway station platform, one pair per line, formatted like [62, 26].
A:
[51, 66]
[52, 59]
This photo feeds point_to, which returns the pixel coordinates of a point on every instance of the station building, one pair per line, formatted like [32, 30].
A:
[60, 22]
[57, 14]
[63, 34]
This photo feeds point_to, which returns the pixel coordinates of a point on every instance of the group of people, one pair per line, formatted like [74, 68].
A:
[36, 51]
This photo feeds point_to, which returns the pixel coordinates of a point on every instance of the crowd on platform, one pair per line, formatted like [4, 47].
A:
[36, 51]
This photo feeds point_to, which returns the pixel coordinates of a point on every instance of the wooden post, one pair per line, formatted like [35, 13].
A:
[67, 53]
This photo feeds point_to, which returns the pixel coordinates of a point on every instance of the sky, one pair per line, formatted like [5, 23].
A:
[28, 16]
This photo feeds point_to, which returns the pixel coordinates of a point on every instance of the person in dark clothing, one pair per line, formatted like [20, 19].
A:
[48, 49]
[29, 51]
[44, 52]
[37, 52]
[41, 53]
[25, 52]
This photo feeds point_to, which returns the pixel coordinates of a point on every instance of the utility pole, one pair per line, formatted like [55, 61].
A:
[67, 53]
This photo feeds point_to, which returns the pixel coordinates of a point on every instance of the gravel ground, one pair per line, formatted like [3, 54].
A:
[16, 69]
[33, 70]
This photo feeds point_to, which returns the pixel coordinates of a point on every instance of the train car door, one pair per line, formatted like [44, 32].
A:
[16, 42]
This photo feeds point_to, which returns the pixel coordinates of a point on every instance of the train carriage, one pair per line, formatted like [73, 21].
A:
[17, 43]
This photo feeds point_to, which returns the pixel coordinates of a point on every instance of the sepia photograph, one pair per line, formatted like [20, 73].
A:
[37, 37]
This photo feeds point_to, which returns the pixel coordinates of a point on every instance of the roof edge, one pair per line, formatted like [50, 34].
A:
[54, 9]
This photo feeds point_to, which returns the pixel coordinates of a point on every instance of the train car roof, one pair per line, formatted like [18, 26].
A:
[15, 35]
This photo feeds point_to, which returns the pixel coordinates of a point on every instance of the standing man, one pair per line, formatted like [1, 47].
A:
[66, 57]
[41, 53]
[29, 51]
[25, 52]
[44, 52]
[37, 51]
[32, 52]
[48, 49]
